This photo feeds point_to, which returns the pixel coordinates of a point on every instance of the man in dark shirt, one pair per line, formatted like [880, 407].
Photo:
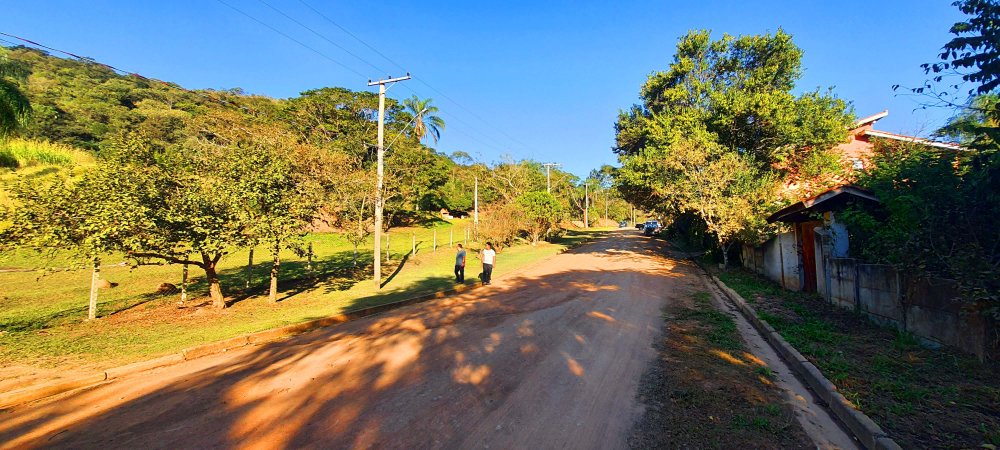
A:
[460, 265]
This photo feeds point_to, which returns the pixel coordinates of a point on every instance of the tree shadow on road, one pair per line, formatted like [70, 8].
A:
[420, 376]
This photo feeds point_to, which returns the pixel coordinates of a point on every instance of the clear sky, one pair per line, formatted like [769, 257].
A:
[540, 80]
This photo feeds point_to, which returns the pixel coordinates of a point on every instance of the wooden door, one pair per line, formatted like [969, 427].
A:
[807, 242]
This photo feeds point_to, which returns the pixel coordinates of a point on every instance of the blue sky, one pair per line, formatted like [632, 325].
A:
[540, 80]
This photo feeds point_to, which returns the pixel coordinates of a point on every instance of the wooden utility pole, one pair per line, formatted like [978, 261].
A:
[379, 173]
[586, 206]
[548, 178]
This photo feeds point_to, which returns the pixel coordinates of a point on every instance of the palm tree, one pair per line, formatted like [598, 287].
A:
[424, 121]
[14, 105]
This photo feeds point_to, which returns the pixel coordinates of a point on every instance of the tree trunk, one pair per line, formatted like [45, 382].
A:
[309, 260]
[184, 284]
[94, 278]
[214, 287]
[273, 293]
[250, 269]
[725, 255]
[354, 258]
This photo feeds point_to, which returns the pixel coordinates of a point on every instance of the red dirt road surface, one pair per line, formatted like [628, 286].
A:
[548, 357]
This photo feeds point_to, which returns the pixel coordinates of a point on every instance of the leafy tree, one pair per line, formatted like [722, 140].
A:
[940, 207]
[14, 105]
[541, 213]
[720, 127]
[500, 224]
[223, 194]
[974, 53]
[939, 219]
[83, 216]
[509, 179]
[976, 127]
[352, 196]
[425, 122]
[725, 189]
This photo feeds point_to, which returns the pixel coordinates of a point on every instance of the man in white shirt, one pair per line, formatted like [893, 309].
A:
[489, 257]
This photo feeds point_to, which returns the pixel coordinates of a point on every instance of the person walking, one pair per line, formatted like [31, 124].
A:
[460, 265]
[489, 257]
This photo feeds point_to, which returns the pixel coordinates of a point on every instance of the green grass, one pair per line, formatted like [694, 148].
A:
[22, 153]
[886, 373]
[41, 316]
[723, 332]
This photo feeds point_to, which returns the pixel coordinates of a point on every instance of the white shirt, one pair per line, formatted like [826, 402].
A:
[489, 256]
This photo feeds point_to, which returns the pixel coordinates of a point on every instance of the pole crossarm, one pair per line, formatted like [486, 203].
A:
[389, 80]
[548, 178]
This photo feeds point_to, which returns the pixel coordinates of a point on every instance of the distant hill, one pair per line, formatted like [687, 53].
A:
[84, 104]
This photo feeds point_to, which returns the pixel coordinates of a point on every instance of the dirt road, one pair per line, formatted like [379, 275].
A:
[548, 357]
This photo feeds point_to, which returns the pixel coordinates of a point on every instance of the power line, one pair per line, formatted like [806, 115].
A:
[321, 36]
[324, 55]
[345, 30]
[418, 79]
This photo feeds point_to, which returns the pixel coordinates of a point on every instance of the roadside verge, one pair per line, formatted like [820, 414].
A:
[869, 433]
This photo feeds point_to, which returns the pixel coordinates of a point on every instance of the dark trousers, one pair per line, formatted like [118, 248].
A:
[487, 272]
[460, 274]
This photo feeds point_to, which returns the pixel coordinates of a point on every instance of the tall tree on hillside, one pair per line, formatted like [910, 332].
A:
[425, 122]
[14, 105]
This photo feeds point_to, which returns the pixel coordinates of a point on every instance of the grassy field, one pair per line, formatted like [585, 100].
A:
[41, 313]
[924, 398]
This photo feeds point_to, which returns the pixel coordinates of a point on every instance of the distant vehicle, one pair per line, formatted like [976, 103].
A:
[650, 227]
[640, 226]
[622, 224]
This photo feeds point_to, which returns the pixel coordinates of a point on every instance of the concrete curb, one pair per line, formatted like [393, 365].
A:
[31, 393]
[861, 426]
[41, 391]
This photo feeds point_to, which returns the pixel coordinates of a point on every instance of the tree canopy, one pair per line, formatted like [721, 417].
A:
[720, 126]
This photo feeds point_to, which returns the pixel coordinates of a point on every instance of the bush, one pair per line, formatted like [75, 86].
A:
[500, 225]
[7, 159]
[940, 217]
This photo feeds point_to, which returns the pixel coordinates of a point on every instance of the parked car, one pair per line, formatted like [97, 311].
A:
[650, 227]
[623, 224]
[639, 226]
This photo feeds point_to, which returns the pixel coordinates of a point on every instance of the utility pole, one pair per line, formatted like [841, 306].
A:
[586, 206]
[379, 174]
[548, 178]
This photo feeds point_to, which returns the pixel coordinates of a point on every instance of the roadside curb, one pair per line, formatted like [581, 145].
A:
[869, 433]
[37, 392]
